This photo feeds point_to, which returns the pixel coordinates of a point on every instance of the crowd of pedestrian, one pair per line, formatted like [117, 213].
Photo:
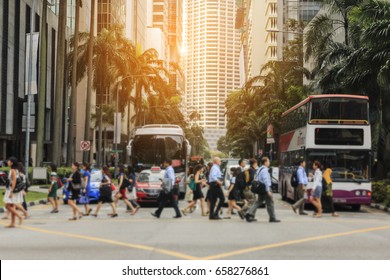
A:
[249, 189]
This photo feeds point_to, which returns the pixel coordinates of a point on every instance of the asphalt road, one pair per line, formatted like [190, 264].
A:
[353, 235]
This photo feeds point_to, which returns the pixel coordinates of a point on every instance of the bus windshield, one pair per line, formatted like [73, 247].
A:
[340, 109]
[347, 165]
[152, 150]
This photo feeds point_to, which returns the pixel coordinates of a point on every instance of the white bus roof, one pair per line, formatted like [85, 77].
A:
[163, 129]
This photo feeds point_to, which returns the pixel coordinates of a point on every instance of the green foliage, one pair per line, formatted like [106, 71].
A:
[381, 192]
[264, 98]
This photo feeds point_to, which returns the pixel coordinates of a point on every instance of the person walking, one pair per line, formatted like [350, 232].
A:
[105, 193]
[263, 176]
[172, 195]
[316, 192]
[199, 183]
[23, 206]
[216, 190]
[249, 197]
[10, 198]
[327, 195]
[131, 188]
[52, 197]
[234, 195]
[86, 177]
[74, 187]
[208, 169]
[301, 191]
[123, 184]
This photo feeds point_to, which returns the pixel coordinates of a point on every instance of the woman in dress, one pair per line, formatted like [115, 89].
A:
[234, 194]
[11, 198]
[123, 183]
[105, 193]
[316, 192]
[87, 183]
[132, 193]
[74, 187]
[200, 182]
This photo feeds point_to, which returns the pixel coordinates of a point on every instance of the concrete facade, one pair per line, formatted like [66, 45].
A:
[212, 62]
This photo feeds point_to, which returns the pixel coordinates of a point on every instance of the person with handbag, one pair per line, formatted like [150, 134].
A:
[74, 187]
[302, 183]
[12, 196]
[123, 183]
[263, 179]
[132, 193]
[86, 188]
[195, 185]
[53, 192]
[105, 193]
[168, 191]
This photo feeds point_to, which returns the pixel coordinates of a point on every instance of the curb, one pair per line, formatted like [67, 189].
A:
[380, 207]
[29, 204]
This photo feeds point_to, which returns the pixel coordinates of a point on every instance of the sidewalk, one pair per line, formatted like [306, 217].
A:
[380, 207]
[38, 189]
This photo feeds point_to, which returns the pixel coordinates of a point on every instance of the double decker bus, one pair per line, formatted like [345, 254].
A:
[150, 145]
[335, 130]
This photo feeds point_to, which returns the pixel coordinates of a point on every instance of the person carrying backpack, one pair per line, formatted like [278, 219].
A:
[263, 177]
[302, 183]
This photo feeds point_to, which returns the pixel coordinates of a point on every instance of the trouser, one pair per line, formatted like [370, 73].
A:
[163, 199]
[300, 204]
[216, 193]
[250, 197]
[269, 202]
[327, 202]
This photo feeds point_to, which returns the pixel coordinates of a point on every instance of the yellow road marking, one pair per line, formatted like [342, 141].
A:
[291, 242]
[113, 242]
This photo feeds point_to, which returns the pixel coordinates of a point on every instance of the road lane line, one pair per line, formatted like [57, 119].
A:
[113, 242]
[291, 242]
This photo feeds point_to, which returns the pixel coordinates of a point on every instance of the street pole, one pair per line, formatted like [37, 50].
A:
[59, 92]
[116, 133]
[42, 86]
[87, 126]
[73, 99]
[29, 96]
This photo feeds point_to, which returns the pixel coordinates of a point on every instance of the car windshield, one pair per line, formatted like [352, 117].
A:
[346, 165]
[152, 150]
[148, 177]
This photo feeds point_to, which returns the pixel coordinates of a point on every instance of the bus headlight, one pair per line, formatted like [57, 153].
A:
[357, 193]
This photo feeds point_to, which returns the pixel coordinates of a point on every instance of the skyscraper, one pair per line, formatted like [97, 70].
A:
[212, 62]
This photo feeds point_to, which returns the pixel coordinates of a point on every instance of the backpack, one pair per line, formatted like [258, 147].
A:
[257, 186]
[294, 179]
[192, 184]
[324, 185]
[247, 177]
[59, 183]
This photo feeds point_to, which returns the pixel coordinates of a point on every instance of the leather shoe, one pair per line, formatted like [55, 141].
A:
[176, 217]
[303, 213]
[215, 218]
[154, 215]
[274, 221]
[242, 215]
[293, 208]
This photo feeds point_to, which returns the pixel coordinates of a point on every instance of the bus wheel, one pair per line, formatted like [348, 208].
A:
[356, 207]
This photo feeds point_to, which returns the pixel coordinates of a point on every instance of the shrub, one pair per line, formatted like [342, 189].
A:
[381, 192]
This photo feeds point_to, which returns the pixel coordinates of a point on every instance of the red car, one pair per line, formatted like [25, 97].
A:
[148, 184]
